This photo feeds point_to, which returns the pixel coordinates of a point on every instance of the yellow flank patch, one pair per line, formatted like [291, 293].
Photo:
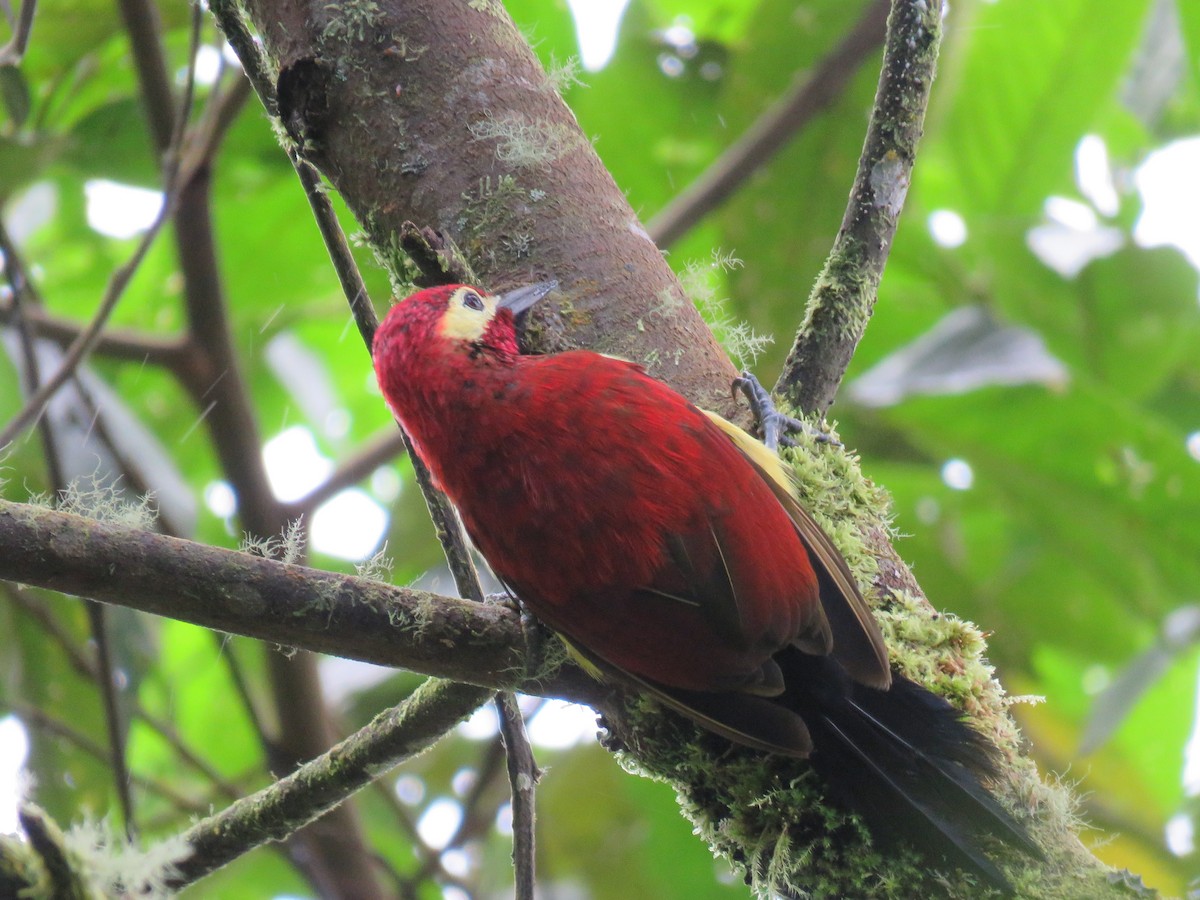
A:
[464, 323]
[770, 463]
[582, 661]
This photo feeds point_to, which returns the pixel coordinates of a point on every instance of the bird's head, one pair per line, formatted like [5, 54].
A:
[458, 318]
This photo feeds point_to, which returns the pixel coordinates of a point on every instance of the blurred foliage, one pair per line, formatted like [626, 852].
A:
[1075, 540]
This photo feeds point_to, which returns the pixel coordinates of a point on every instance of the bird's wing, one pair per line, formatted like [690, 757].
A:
[857, 642]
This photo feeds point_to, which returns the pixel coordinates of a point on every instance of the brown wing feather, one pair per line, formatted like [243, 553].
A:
[857, 642]
[741, 717]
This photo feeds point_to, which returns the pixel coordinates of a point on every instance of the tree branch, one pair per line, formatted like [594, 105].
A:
[318, 786]
[13, 52]
[116, 343]
[377, 451]
[523, 775]
[840, 304]
[344, 615]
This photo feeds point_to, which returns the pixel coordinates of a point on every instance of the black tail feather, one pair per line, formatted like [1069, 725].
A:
[904, 760]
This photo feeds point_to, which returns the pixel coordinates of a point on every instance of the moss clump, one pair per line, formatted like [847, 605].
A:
[842, 299]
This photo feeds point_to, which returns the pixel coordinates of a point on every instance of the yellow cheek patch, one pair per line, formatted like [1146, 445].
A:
[461, 322]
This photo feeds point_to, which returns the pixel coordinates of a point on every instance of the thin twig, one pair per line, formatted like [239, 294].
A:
[841, 302]
[87, 338]
[13, 52]
[376, 452]
[106, 684]
[445, 521]
[144, 26]
[41, 720]
[446, 524]
[523, 775]
[228, 15]
[348, 275]
[120, 344]
[220, 113]
[241, 684]
[773, 130]
[87, 668]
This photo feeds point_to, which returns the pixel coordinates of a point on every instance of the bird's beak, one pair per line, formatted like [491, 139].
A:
[524, 297]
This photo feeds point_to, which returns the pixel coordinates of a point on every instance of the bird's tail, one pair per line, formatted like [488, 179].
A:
[903, 759]
[906, 762]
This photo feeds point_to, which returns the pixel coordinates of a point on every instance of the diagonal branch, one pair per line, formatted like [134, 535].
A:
[842, 299]
[88, 337]
[773, 130]
[377, 451]
[13, 52]
[318, 786]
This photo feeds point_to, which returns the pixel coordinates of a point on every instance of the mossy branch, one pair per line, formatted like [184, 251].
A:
[321, 784]
[843, 297]
[484, 644]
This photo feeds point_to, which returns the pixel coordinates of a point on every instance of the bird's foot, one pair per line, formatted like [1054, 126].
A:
[533, 631]
[505, 598]
[775, 427]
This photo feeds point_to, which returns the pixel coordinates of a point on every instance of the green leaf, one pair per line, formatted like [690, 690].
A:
[1139, 319]
[1189, 20]
[1019, 84]
[111, 142]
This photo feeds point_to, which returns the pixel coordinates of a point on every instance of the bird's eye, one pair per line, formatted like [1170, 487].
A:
[471, 300]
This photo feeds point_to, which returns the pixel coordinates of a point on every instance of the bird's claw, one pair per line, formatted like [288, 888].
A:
[532, 630]
[775, 427]
[505, 598]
